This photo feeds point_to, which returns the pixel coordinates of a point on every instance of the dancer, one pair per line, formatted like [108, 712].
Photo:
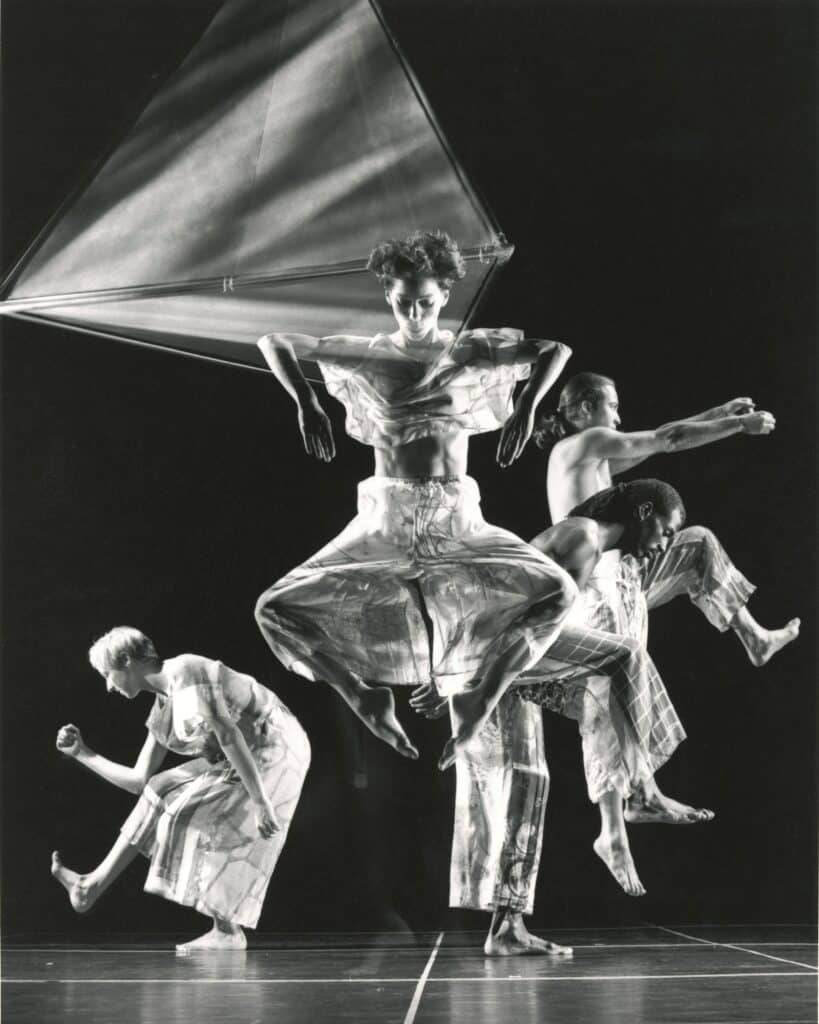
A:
[587, 450]
[212, 828]
[418, 587]
[639, 518]
[628, 723]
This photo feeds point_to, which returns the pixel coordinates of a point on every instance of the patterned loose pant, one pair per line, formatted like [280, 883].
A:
[695, 564]
[610, 685]
[417, 587]
[500, 811]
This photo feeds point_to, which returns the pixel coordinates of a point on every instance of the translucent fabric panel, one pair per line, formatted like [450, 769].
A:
[228, 324]
[292, 136]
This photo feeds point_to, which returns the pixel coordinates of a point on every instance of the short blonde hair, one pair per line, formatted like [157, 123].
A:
[119, 646]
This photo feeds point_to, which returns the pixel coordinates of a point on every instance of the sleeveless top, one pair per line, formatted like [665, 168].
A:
[394, 394]
[201, 689]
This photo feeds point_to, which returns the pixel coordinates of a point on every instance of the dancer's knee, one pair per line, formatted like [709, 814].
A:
[629, 652]
[562, 596]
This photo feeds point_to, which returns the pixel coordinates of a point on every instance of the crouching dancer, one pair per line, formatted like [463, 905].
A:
[212, 828]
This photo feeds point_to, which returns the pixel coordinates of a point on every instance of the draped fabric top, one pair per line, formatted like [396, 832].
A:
[203, 691]
[395, 393]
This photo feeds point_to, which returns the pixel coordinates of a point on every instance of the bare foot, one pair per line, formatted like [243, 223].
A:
[616, 855]
[375, 706]
[215, 940]
[761, 646]
[82, 893]
[470, 711]
[513, 938]
[662, 810]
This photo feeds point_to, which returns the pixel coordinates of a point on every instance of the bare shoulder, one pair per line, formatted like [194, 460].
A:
[581, 533]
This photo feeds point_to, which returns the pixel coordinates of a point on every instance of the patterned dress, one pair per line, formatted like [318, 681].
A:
[196, 823]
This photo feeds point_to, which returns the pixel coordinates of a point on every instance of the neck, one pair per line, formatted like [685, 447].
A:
[155, 680]
[430, 338]
[610, 535]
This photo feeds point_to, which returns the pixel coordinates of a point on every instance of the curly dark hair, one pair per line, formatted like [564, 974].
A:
[618, 504]
[421, 254]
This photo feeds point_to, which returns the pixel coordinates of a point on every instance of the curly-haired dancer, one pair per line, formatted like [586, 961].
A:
[418, 587]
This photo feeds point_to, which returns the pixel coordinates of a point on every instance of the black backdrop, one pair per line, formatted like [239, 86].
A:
[655, 165]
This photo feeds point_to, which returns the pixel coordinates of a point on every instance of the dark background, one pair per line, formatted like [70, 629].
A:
[655, 165]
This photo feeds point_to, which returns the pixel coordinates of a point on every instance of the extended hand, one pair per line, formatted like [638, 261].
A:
[425, 700]
[737, 407]
[758, 423]
[516, 432]
[70, 741]
[266, 821]
[316, 431]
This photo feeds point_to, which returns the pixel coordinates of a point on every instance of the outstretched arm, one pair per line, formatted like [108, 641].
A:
[736, 407]
[71, 743]
[549, 358]
[314, 424]
[625, 450]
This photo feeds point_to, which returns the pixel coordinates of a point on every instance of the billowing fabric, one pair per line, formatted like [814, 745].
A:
[417, 571]
[291, 140]
[502, 784]
[196, 823]
[616, 599]
[613, 599]
[613, 690]
[395, 393]
[609, 685]
[696, 564]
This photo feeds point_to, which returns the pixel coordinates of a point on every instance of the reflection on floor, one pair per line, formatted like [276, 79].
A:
[648, 975]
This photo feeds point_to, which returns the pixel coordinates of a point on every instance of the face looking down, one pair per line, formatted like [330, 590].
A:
[416, 304]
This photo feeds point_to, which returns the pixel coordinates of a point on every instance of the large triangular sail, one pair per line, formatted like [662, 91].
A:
[248, 194]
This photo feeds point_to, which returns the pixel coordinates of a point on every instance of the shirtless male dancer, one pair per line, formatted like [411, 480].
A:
[588, 450]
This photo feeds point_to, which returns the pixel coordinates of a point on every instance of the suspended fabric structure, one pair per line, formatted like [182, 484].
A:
[249, 193]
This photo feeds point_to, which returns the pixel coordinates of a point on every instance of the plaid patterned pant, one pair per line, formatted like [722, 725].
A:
[503, 778]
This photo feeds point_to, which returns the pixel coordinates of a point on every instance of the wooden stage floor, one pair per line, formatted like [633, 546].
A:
[646, 975]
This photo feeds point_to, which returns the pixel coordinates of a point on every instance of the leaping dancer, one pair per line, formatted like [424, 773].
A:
[419, 589]
[588, 450]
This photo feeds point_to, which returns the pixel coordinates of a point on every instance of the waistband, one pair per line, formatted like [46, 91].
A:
[420, 485]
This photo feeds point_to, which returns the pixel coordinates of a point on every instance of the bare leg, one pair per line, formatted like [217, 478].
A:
[374, 705]
[222, 937]
[762, 644]
[85, 890]
[612, 847]
[509, 936]
[469, 710]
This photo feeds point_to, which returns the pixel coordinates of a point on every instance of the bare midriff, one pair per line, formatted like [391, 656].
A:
[428, 457]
